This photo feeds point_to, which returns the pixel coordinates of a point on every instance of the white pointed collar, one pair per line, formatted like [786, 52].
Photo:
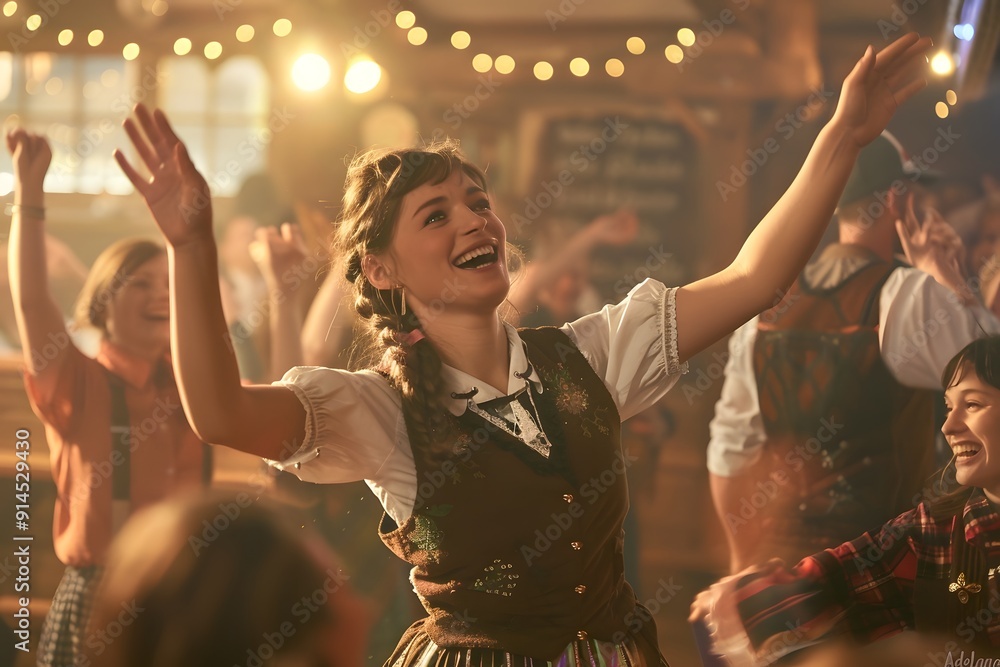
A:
[459, 382]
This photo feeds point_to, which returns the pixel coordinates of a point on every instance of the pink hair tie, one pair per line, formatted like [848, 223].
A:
[412, 338]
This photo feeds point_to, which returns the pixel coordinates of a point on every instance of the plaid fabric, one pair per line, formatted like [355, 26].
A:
[61, 644]
[862, 589]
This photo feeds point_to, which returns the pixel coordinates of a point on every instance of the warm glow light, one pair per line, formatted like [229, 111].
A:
[34, 22]
[182, 46]
[461, 39]
[311, 72]
[942, 63]
[951, 97]
[130, 51]
[213, 50]
[65, 37]
[9, 8]
[941, 109]
[110, 77]
[482, 63]
[158, 8]
[614, 67]
[54, 86]
[282, 27]
[504, 64]
[579, 66]
[635, 45]
[543, 71]
[95, 37]
[406, 19]
[362, 75]
[245, 32]
[674, 53]
[417, 36]
[686, 36]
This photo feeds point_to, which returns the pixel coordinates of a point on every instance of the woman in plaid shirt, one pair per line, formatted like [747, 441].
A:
[930, 569]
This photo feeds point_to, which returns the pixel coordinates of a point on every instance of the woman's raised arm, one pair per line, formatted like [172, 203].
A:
[39, 320]
[263, 420]
[777, 250]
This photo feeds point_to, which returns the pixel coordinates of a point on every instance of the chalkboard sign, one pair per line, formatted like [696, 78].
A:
[589, 166]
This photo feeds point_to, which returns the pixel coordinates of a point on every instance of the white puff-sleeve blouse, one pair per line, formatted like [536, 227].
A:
[354, 423]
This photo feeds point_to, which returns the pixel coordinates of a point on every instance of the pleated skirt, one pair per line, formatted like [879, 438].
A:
[417, 649]
[61, 643]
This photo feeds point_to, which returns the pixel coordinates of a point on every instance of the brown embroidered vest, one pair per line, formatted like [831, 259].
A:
[517, 552]
[852, 445]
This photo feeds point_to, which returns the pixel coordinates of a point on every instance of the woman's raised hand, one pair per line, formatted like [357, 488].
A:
[176, 194]
[277, 251]
[879, 84]
[31, 155]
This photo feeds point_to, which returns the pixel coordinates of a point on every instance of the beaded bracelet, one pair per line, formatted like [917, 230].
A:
[30, 211]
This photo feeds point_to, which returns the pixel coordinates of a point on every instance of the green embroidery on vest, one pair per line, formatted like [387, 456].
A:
[570, 397]
[426, 535]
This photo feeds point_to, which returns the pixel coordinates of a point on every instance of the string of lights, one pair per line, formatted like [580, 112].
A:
[312, 71]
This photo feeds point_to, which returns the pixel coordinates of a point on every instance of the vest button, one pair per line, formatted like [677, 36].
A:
[581, 589]
[568, 497]
[581, 635]
[576, 545]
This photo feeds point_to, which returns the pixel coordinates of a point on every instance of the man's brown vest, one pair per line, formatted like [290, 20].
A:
[848, 447]
[516, 552]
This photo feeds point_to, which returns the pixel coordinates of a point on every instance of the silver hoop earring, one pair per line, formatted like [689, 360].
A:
[402, 299]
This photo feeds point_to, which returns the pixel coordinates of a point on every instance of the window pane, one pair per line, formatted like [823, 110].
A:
[240, 151]
[194, 137]
[50, 83]
[109, 87]
[241, 87]
[94, 150]
[184, 83]
[66, 157]
[7, 64]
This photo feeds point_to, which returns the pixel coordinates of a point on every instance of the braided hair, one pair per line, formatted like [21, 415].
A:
[376, 183]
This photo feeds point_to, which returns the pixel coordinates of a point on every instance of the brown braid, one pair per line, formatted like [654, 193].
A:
[376, 184]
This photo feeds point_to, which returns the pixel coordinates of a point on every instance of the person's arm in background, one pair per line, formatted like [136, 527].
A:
[928, 313]
[280, 255]
[616, 229]
[40, 323]
[862, 589]
[737, 440]
[933, 246]
[326, 320]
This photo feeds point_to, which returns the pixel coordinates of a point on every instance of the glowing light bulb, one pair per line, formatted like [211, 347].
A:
[579, 66]
[942, 63]
[635, 45]
[543, 71]
[311, 72]
[406, 19]
[362, 75]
